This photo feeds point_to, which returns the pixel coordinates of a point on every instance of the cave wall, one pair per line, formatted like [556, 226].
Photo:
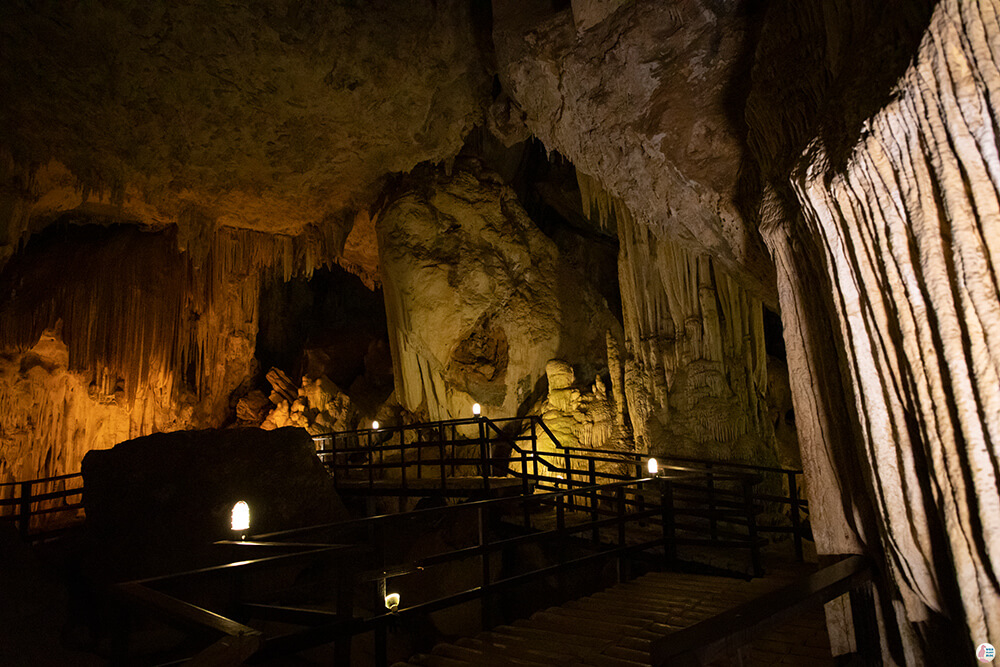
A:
[695, 363]
[639, 102]
[861, 138]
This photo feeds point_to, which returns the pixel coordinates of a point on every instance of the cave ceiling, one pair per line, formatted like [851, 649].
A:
[288, 117]
[270, 116]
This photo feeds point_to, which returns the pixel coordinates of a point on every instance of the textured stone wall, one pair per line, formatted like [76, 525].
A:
[640, 102]
[108, 333]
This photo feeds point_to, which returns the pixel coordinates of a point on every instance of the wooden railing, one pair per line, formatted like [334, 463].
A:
[363, 550]
[729, 634]
[713, 493]
[722, 503]
[36, 498]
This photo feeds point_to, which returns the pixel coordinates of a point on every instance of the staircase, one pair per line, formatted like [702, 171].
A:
[615, 628]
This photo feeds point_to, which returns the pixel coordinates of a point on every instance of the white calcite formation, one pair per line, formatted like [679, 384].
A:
[319, 406]
[888, 275]
[695, 365]
[477, 299]
[44, 405]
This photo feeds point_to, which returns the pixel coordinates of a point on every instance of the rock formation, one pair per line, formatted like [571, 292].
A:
[638, 102]
[476, 298]
[836, 160]
[158, 502]
[695, 360]
[889, 266]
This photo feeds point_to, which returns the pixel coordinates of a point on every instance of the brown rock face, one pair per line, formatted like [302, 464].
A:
[272, 116]
[639, 103]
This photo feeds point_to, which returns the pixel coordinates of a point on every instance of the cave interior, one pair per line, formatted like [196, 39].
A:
[754, 233]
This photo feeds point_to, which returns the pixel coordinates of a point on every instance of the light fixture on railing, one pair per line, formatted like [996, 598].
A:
[392, 601]
[652, 466]
[240, 520]
[477, 409]
[375, 426]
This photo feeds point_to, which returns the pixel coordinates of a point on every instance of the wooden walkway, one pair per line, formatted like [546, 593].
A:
[614, 628]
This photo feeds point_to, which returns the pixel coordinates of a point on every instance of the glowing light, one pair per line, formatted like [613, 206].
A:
[241, 516]
[652, 466]
[392, 601]
[476, 409]
[374, 426]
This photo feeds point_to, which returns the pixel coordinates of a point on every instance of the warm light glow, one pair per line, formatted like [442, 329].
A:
[476, 409]
[653, 466]
[374, 426]
[392, 601]
[241, 516]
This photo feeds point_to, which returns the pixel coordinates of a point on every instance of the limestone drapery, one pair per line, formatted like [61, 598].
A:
[908, 233]
[695, 364]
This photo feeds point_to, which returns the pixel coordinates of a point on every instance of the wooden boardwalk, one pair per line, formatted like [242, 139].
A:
[614, 628]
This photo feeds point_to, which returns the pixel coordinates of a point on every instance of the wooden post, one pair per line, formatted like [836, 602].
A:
[370, 458]
[525, 490]
[402, 471]
[793, 495]
[534, 445]
[713, 524]
[381, 654]
[483, 454]
[595, 533]
[623, 573]
[569, 479]
[866, 632]
[752, 526]
[441, 460]
[669, 525]
[561, 545]
[24, 514]
[484, 561]
[420, 456]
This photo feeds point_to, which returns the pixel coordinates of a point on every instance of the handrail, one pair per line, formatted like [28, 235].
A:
[26, 501]
[428, 511]
[322, 627]
[725, 634]
[55, 478]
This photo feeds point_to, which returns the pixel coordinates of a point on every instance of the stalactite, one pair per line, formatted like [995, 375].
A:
[160, 339]
[686, 321]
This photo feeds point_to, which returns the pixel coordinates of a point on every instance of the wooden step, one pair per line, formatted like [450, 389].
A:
[624, 610]
[525, 651]
[431, 660]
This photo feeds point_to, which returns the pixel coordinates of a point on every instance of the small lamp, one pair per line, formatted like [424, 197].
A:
[476, 409]
[375, 426]
[652, 466]
[392, 601]
[240, 520]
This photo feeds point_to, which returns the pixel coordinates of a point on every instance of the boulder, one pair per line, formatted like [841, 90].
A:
[157, 503]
